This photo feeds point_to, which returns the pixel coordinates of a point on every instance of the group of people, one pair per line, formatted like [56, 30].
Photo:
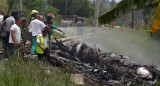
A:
[40, 29]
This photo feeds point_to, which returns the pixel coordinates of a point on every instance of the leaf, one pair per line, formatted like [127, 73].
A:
[124, 7]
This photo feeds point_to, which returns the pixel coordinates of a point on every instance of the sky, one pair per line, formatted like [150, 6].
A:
[118, 0]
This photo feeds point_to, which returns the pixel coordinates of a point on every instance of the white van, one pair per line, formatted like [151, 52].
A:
[1, 18]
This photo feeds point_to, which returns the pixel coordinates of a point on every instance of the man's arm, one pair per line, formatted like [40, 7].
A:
[38, 43]
[61, 31]
[13, 37]
[40, 46]
[49, 29]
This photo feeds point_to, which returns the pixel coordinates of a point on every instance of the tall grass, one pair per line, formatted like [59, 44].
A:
[19, 71]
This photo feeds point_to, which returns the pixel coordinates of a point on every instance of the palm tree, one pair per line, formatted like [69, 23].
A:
[124, 7]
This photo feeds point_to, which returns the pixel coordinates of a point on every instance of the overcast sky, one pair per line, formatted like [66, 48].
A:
[118, 0]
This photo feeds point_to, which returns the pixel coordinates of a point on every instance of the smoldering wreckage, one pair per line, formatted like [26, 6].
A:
[102, 68]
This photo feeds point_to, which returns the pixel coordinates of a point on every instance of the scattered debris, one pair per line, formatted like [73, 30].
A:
[103, 68]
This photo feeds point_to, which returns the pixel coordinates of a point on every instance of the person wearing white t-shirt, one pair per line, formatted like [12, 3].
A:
[15, 36]
[36, 27]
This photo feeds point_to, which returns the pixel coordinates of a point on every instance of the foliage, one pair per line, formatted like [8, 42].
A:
[148, 13]
[89, 21]
[124, 7]
[51, 9]
[3, 5]
[81, 8]
[39, 5]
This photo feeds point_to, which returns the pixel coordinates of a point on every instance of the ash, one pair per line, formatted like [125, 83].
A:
[103, 68]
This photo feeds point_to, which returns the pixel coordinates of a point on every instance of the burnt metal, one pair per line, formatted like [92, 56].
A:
[104, 68]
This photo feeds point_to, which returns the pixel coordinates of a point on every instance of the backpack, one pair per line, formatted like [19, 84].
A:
[2, 29]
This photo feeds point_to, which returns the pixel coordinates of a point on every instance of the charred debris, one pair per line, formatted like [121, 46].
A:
[103, 68]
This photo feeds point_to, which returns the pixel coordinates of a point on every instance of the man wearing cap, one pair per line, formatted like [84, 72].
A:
[49, 18]
[36, 27]
[6, 30]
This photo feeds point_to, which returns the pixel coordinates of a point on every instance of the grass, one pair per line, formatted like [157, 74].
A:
[26, 72]
[20, 71]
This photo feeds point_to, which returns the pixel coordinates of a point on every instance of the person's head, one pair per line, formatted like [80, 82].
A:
[24, 22]
[3, 13]
[34, 12]
[14, 13]
[50, 16]
[44, 33]
[20, 13]
[50, 23]
[38, 17]
[41, 18]
[18, 21]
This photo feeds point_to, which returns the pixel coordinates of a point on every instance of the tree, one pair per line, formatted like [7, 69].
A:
[124, 7]
[81, 8]
[39, 5]
[4, 5]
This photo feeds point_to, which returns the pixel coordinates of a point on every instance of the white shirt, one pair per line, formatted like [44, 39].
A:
[64, 23]
[45, 41]
[36, 26]
[17, 30]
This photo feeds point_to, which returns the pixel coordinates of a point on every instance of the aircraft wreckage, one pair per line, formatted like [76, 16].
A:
[103, 68]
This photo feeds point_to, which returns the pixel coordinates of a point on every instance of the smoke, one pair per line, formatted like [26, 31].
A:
[138, 45]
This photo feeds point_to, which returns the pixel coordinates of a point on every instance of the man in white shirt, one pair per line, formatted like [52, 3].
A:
[36, 27]
[15, 36]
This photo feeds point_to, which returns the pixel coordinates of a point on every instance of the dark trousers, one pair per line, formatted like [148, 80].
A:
[45, 55]
[5, 42]
[12, 48]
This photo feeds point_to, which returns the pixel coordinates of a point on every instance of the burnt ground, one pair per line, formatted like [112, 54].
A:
[103, 68]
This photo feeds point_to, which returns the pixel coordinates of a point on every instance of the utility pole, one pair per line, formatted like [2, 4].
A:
[133, 19]
[96, 13]
[65, 9]
[20, 5]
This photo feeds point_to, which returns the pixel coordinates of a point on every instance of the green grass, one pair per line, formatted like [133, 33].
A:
[26, 72]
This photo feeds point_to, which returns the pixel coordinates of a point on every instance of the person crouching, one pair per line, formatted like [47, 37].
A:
[42, 45]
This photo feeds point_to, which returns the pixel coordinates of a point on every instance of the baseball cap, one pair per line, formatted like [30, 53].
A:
[51, 15]
[14, 12]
